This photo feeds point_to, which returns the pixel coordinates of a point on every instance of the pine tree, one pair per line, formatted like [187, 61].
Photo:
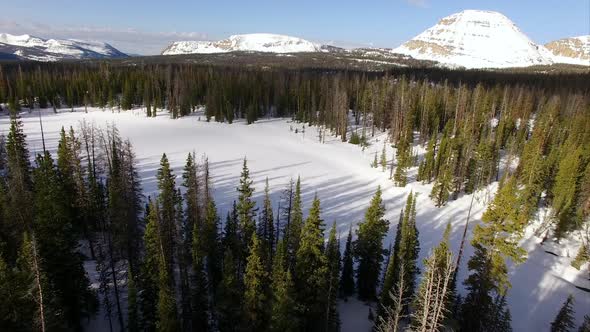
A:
[443, 183]
[210, 244]
[333, 258]
[403, 155]
[200, 287]
[148, 280]
[432, 299]
[256, 291]
[564, 321]
[368, 248]
[132, 308]
[57, 244]
[246, 211]
[347, 278]
[167, 201]
[427, 166]
[229, 296]
[19, 197]
[266, 231]
[387, 296]
[565, 190]
[585, 327]
[409, 249]
[383, 157]
[167, 315]
[283, 314]
[293, 234]
[312, 272]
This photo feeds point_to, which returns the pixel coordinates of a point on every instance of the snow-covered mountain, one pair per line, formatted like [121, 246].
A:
[256, 42]
[35, 48]
[476, 39]
[574, 50]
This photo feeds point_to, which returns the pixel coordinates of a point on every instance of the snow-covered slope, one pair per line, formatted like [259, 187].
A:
[256, 42]
[574, 50]
[35, 48]
[475, 39]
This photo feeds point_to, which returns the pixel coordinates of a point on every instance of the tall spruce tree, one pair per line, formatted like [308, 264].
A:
[407, 254]
[57, 245]
[368, 248]
[246, 208]
[283, 314]
[167, 202]
[266, 230]
[564, 321]
[293, 232]
[312, 272]
[333, 258]
[347, 278]
[256, 289]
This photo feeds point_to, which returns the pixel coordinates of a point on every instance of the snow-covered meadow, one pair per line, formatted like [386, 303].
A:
[340, 174]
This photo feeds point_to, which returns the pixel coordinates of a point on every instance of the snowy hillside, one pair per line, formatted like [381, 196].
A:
[574, 50]
[35, 48]
[339, 173]
[475, 39]
[256, 42]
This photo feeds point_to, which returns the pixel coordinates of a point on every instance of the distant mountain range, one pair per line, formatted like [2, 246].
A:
[469, 39]
[26, 47]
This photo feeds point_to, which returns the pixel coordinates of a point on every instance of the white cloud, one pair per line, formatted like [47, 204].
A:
[126, 40]
[418, 3]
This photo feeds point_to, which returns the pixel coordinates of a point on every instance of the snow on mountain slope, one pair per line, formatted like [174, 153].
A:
[256, 42]
[475, 39]
[574, 50]
[35, 48]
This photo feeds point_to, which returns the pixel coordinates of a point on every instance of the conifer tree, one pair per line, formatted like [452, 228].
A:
[229, 296]
[383, 157]
[190, 182]
[564, 321]
[293, 234]
[387, 296]
[256, 291]
[368, 248]
[403, 156]
[312, 272]
[432, 299]
[565, 190]
[167, 313]
[132, 307]
[149, 280]
[167, 201]
[585, 327]
[57, 244]
[347, 278]
[246, 211]
[283, 313]
[427, 165]
[266, 231]
[408, 251]
[210, 243]
[333, 258]
[19, 197]
[199, 287]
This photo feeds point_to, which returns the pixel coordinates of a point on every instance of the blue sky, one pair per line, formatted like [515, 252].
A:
[148, 26]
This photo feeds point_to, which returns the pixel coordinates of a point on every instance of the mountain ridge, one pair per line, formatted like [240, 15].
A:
[27, 47]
